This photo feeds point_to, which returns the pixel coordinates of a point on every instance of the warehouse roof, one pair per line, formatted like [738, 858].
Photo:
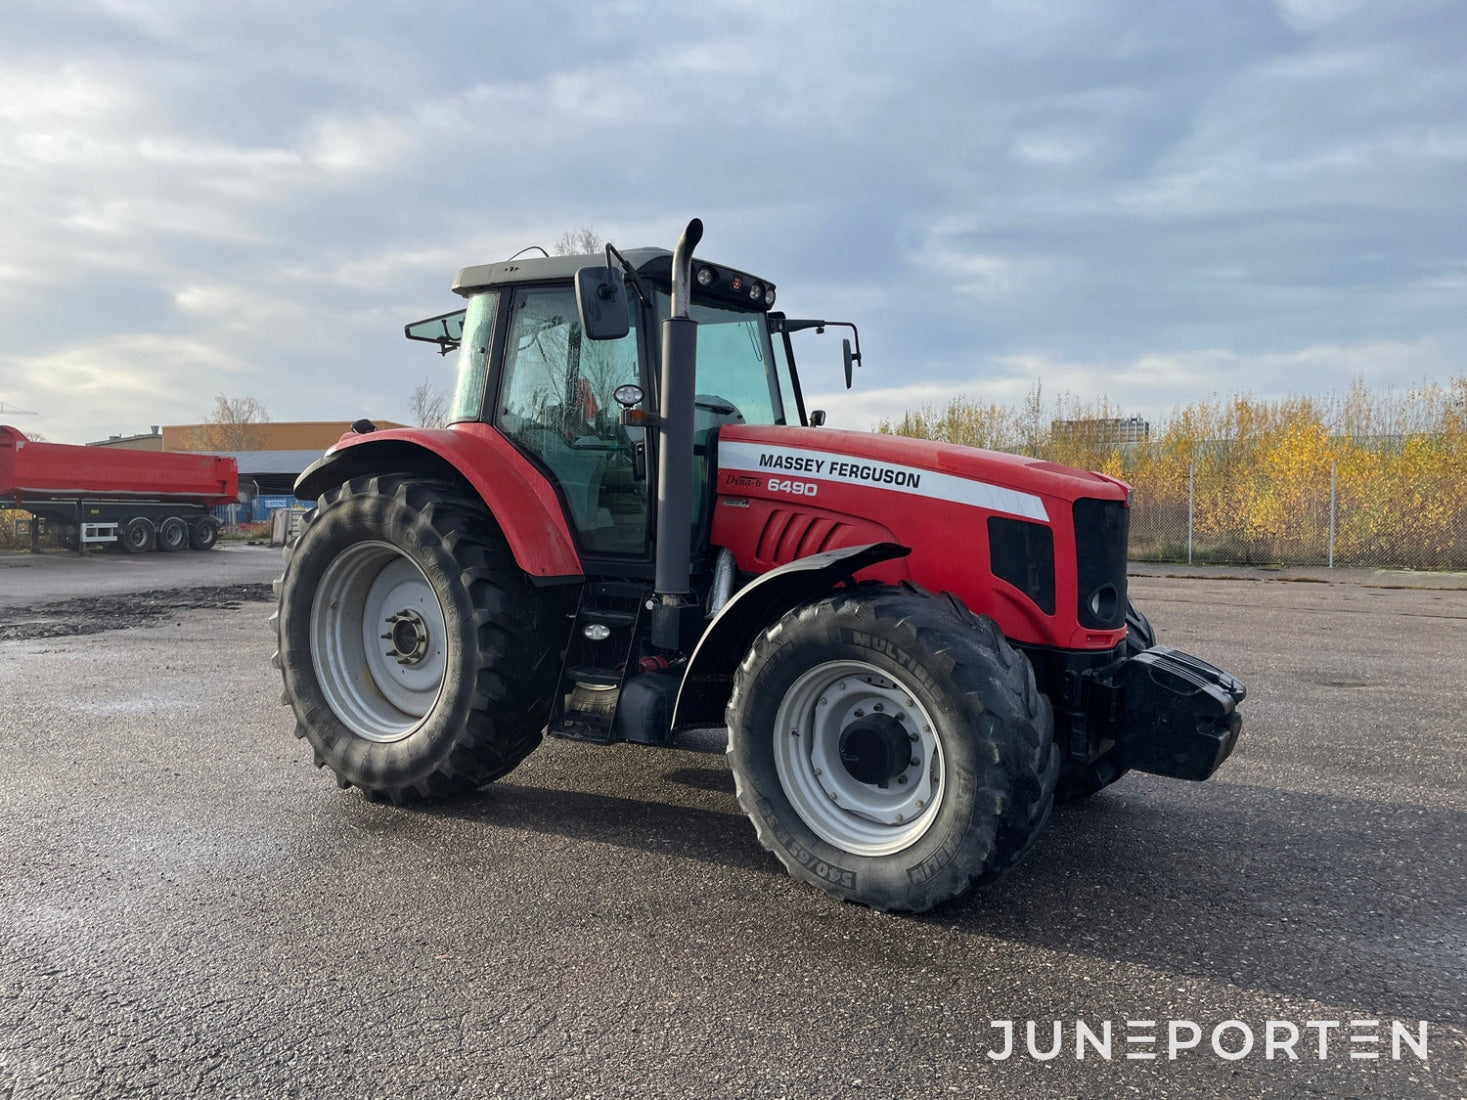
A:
[271, 462]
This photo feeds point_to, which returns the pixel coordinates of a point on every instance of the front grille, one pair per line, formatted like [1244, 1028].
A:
[1101, 531]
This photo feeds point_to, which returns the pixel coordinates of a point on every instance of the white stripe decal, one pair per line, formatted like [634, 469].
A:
[785, 462]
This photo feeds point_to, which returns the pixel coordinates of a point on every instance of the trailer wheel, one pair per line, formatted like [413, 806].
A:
[1083, 780]
[891, 748]
[204, 534]
[419, 660]
[172, 534]
[138, 535]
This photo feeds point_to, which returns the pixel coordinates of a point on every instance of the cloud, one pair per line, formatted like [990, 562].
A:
[122, 381]
[1053, 147]
[262, 196]
[1312, 15]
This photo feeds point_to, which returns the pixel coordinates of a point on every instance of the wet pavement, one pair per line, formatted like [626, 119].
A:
[189, 908]
[28, 580]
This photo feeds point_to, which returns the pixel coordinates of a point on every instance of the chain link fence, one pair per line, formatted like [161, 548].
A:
[1215, 512]
[1201, 515]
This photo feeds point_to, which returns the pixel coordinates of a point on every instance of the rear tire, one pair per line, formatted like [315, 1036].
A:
[1079, 781]
[825, 708]
[204, 534]
[138, 535]
[417, 657]
[172, 534]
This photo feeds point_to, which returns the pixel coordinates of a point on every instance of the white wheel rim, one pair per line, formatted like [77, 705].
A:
[832, 701]
[380, 687]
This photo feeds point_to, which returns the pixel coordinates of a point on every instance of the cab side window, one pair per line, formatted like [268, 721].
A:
[555, 402]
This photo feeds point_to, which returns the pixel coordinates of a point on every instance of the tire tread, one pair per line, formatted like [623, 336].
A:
[516, 655]
[947, 630]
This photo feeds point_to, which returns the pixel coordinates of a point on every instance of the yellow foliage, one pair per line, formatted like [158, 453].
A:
[1260, 474]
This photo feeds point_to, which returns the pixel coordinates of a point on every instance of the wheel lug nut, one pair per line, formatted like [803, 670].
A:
[878, 706]
[822, 700]
[832, 796]
[899, 819]
[920, 803]
[914, 761]
[901, 779]
[911, 737]
[860, 713]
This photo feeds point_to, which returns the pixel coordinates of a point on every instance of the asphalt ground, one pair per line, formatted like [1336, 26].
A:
[189, 908]
[54, 575]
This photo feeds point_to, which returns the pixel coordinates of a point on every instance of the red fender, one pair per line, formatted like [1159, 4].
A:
[521, 499]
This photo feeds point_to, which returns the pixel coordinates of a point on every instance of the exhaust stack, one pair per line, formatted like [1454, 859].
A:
[673, 598]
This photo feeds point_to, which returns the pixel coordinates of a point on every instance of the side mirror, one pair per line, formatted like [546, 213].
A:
[817, 418]
[601, 301]
[846, 350]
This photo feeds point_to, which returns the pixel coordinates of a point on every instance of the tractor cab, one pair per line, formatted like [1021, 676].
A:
[525, 365]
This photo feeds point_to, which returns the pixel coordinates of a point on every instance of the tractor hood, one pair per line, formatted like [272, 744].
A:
[1038, 546]
[995, 480]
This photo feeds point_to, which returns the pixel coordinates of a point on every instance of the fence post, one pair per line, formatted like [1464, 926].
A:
[1332, 467]
[1191, 479]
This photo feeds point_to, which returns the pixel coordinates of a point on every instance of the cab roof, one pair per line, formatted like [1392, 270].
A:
[727, 284]
[534, 269]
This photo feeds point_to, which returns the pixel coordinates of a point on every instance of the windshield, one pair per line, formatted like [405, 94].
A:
[735, 360]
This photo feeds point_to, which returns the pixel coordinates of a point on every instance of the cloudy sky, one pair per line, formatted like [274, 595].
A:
[1150, 200]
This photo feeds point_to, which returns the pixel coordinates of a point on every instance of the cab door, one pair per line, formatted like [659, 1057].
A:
[555, 403]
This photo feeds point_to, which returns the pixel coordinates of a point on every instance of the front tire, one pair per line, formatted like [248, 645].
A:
[418, 659]
[891, 748]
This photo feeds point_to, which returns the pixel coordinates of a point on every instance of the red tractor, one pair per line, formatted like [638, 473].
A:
[915, 647]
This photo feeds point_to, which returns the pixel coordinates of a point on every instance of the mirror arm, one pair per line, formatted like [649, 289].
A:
[789, 325]
[855, 355]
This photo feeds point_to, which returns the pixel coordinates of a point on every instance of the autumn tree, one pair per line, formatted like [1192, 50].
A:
[236, 424]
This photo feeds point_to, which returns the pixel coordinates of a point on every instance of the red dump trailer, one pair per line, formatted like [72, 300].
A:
[137, 499]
